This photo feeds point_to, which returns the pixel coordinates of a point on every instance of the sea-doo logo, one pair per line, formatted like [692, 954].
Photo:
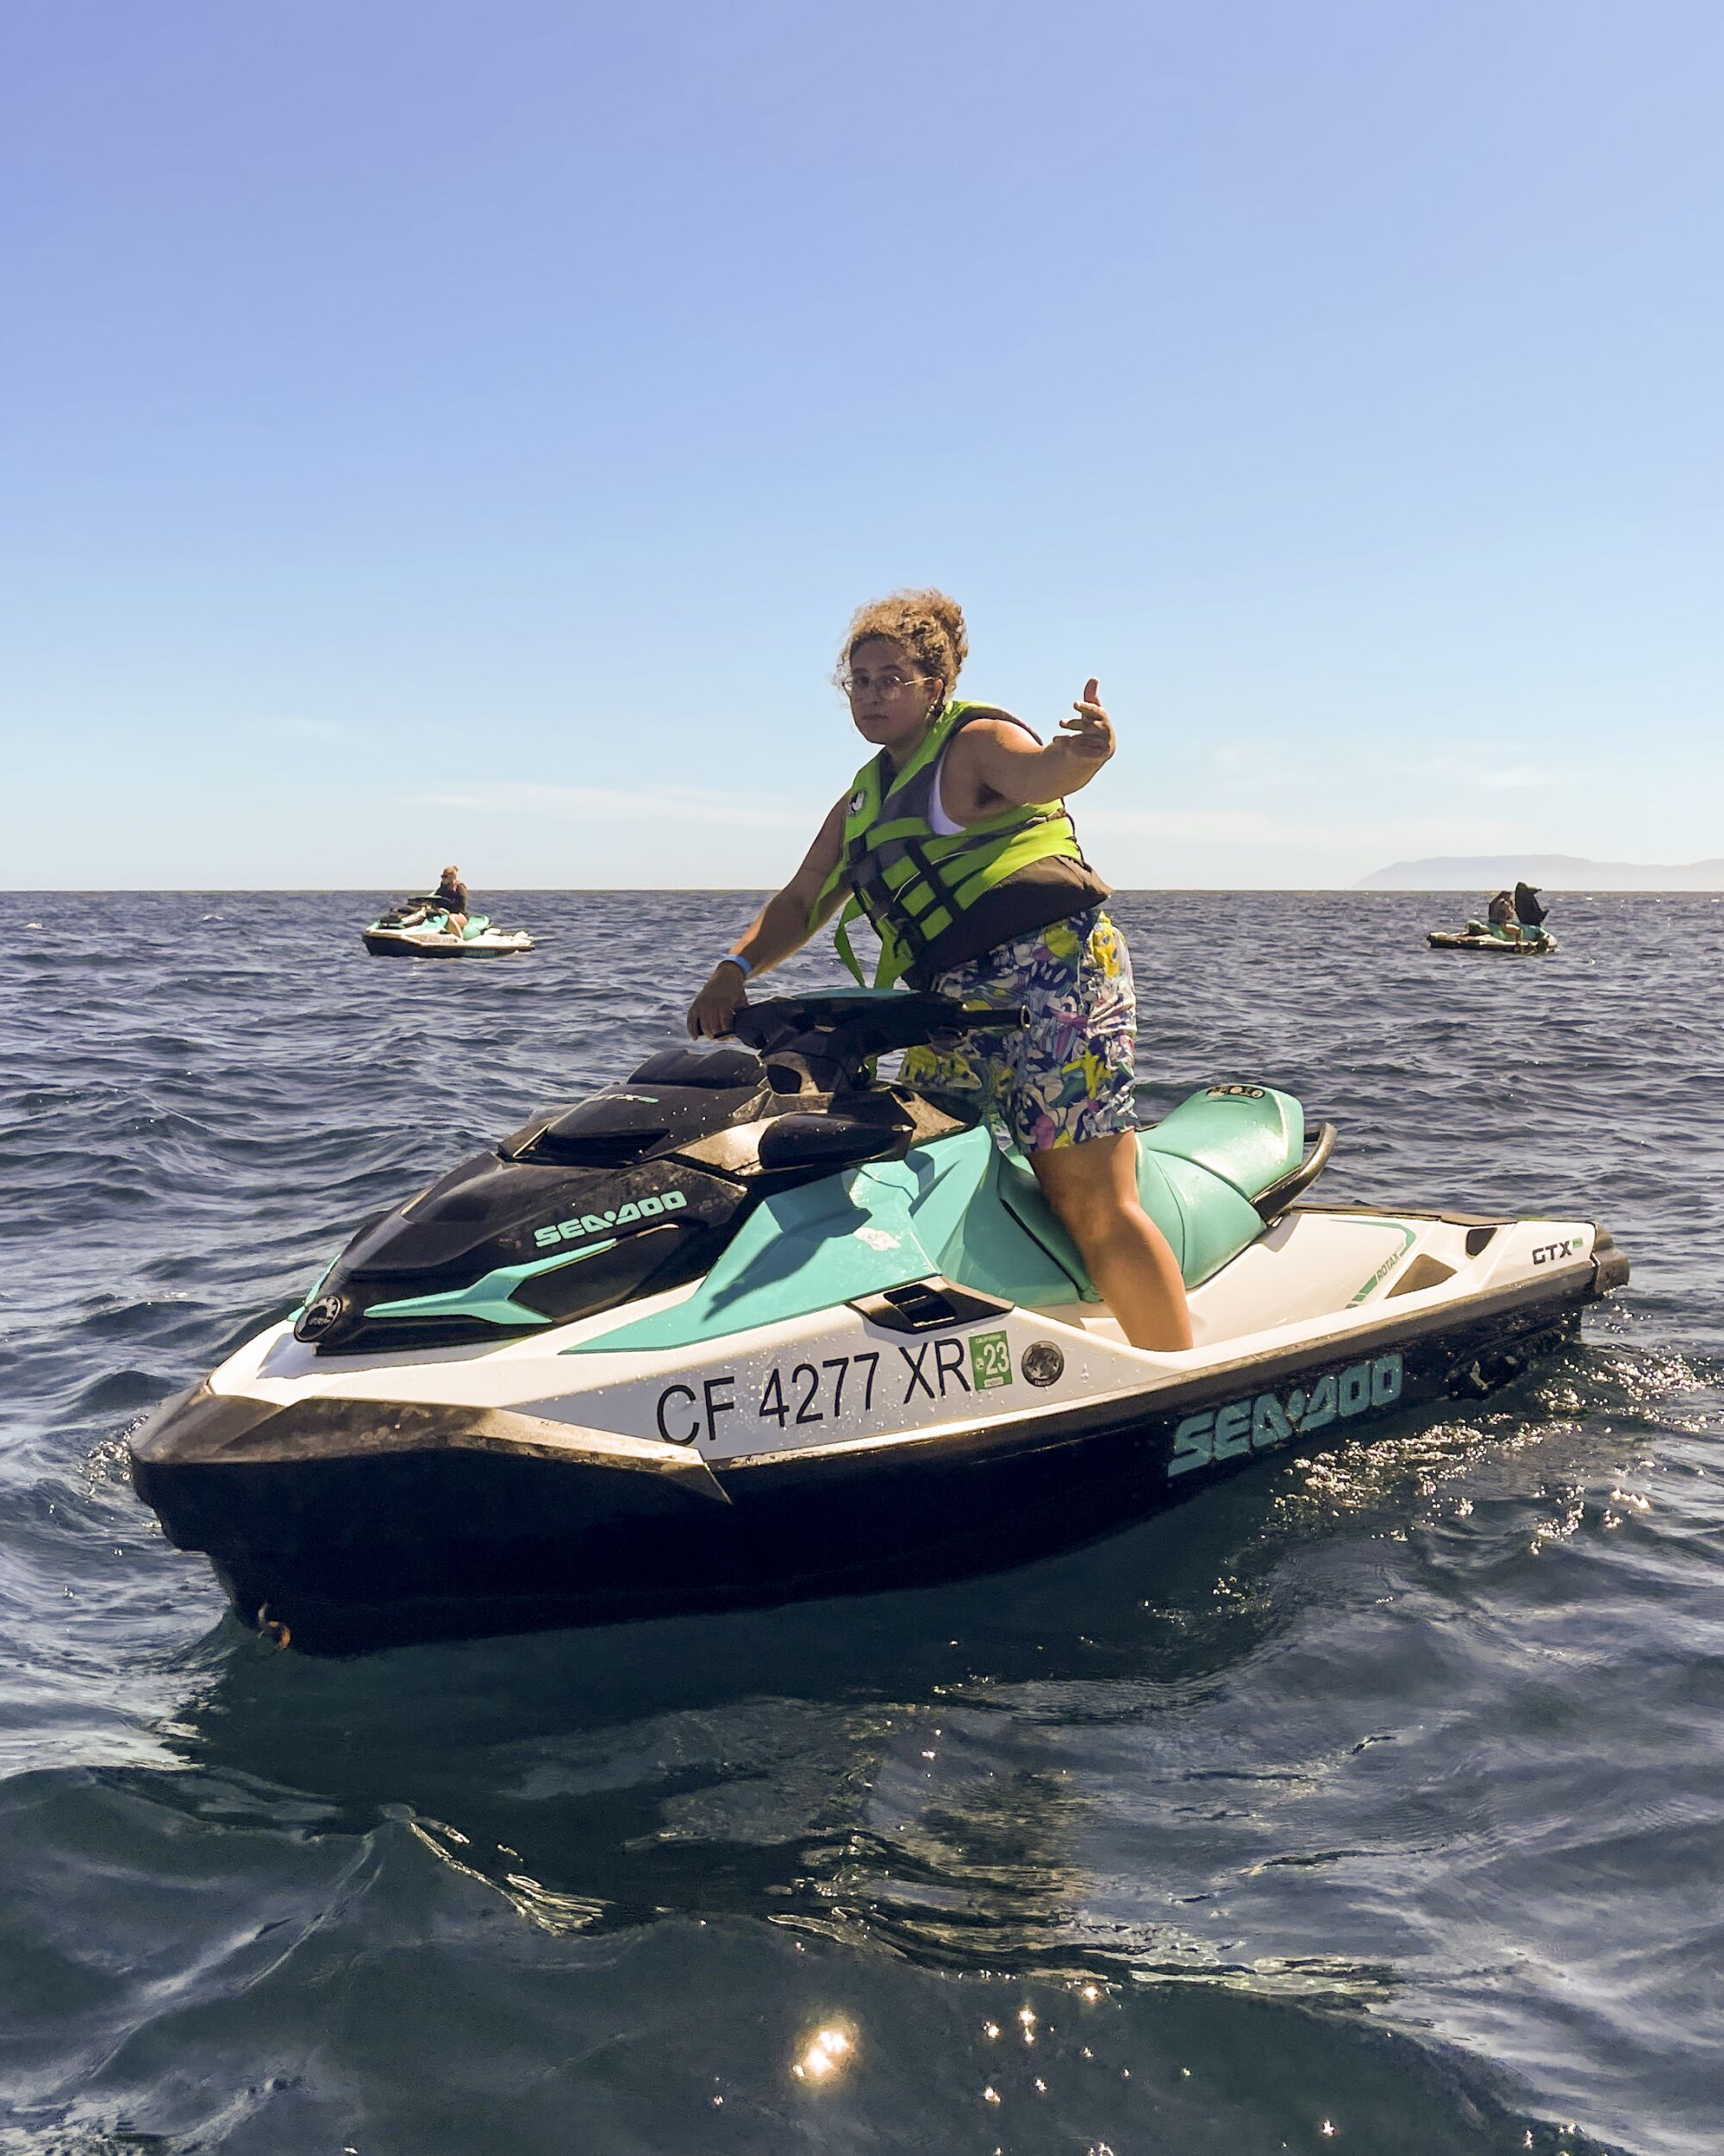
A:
[1272, 1419]
[1548, 1253]
[858, 801]
[316, 1318]
[575, 1230]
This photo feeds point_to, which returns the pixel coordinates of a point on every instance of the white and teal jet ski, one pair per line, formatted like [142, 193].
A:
[419, 928]
[754, 1325]
[1478, 935]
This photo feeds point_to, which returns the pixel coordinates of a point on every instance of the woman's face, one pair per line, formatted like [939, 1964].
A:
[890, 699]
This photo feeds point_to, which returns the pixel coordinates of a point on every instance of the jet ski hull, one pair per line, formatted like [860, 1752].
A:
[1537, 947]
[360, 1521]
[423, 943]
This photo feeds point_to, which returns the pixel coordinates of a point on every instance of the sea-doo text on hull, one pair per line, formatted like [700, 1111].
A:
[751, 1326]
[419, 928]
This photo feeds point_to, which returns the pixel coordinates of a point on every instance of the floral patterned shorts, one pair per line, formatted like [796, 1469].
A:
[1065, 1076]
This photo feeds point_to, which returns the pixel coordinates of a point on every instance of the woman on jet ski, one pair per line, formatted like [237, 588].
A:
[1501, 917]
[451, 897]
[954, 843]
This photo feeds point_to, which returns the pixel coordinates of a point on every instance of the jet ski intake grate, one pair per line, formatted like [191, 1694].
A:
[927, 1306]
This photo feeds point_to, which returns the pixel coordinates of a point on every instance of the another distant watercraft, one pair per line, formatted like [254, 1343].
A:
[752, 1327]
[418, 928]
[1531, 943]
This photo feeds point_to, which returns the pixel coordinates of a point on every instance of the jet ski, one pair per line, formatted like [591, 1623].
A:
[1531, 943]
[757, 1324]
[419, 928]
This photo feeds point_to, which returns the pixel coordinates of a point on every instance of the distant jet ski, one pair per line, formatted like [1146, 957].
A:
[753, 1326]
[419, 928]
[1478, 935]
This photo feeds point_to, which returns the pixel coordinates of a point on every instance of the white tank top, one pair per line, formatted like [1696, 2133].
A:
[943, 825]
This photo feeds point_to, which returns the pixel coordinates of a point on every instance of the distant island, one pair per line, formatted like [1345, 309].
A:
[1546, 872]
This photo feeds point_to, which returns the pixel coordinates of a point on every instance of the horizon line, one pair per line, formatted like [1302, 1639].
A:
[749, 891]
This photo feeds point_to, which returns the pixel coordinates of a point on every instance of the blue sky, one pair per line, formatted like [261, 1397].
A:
[433, 432]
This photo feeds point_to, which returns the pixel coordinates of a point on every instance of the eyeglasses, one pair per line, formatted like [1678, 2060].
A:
[857, 683]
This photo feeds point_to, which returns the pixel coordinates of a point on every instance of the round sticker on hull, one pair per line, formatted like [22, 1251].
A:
[1043, 1364]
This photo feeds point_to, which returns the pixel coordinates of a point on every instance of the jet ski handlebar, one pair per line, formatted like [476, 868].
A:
[842, 1033]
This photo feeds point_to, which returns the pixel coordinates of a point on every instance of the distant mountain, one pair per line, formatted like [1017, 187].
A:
[1547, 871]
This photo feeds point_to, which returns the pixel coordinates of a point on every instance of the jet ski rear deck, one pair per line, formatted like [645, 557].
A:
[806, 1335]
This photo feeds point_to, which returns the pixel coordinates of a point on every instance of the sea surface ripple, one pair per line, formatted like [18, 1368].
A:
[1376, 1802]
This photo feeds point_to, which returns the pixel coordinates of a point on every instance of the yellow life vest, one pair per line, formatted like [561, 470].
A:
[916, 885]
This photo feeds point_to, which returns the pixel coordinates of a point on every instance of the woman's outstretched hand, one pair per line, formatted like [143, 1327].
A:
[1090, 733]
[714, 1010]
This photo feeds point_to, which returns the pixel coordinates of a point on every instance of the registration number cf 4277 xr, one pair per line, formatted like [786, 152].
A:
[729, 1408]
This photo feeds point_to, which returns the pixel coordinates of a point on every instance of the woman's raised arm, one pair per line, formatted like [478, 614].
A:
[1003, 759]
[782, 925]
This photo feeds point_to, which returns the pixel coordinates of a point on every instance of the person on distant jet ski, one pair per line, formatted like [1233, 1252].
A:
[451, 897]
[1502, 919]
[954, 841]
[1528, 910]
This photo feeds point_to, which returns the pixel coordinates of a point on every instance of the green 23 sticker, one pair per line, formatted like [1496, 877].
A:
[990, 1360]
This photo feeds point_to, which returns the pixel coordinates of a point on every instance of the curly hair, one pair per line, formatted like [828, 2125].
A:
[928, 624]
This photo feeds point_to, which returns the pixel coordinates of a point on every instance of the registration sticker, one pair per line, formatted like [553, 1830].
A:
[990, 1360]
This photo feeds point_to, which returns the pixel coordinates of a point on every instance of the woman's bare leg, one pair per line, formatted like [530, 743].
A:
[1093, 1189]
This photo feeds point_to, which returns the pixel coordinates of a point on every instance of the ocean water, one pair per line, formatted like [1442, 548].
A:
[1374, 1803]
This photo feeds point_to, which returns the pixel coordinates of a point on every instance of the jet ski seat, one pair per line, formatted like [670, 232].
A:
[1200, 1171]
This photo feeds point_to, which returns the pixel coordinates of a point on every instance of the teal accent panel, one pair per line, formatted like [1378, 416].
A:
[813, 1248]
[491, 1297]
[1388, 1266]
[1248, 1143]
[802, 1250]
[311, 1294]
[1022, 1195]
[979, 1241]
[477, 924]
